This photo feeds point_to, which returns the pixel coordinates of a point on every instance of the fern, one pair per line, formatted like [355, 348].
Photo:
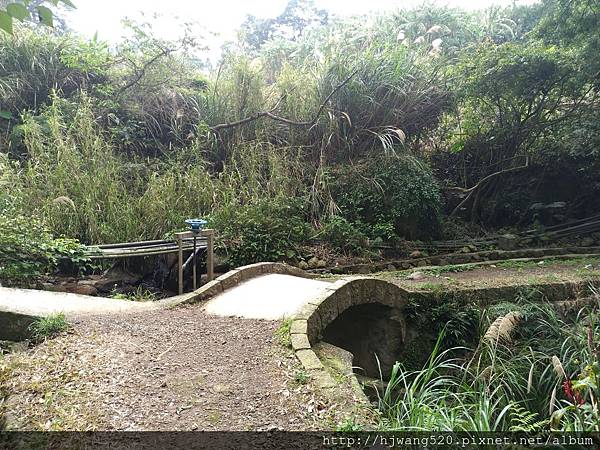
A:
[525, 421]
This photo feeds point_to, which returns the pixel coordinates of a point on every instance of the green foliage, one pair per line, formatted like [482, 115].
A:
[21, 12]
[49, 326]
[350, 425]
[28, 250]
[301, 377]
[139, 294]
[503, 386]
[283, 333]
[343, 236]
[268, 230]
[392, 196]
[460, 323]
[510, 95]
[99, 136]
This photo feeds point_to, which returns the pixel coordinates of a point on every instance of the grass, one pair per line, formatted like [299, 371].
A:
[511, 384]
[65, 397]
[349, 425]
[283, 333]
[301, 377]
[140, 294]
[49, 327]
[432, 287]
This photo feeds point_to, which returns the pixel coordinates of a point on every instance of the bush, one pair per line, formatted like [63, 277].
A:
[343, 236]
[28, 250]
[391, 196]
[268, 230]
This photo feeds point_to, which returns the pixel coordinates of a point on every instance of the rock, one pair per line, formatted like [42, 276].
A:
[115, 277]
[391, 267]
[416, 276]
[587, 242]
[465, 249]
[313, 262]
[54, 287]
[508, 242]
[321, 264]
[363, 269]
[416, 254]
[82, 289]
[303, 265]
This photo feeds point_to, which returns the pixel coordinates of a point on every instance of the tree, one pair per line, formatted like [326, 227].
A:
[512, 98]
[574, 24]
[290, 24]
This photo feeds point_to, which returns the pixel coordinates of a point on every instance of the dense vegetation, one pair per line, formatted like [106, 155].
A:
[533, 370]
[314, 135]
[309, 127]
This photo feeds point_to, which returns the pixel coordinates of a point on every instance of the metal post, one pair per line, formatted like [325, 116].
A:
[180, 274]
[194, 263]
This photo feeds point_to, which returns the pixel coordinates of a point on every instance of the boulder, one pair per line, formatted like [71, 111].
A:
[83, 289]
[116, 277]
[313, 262]
[416, 276]
[508, 242]
[587, 242]
[416, 254]
[303, 265]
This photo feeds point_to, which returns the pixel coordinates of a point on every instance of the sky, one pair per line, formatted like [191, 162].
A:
[218, 18]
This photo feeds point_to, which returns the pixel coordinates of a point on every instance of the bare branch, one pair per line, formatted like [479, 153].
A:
[277, 118]
[481, 182]
[140, 73]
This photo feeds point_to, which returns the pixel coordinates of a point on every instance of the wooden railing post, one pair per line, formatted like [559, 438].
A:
[179, 239]
[210, 261]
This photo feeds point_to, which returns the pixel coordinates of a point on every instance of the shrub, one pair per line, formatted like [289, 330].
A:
[267, 230]
[392, 196]
[28, 250]
[343, 236]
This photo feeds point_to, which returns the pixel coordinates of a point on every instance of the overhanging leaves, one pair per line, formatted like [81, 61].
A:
[6, 22]
[45, 16]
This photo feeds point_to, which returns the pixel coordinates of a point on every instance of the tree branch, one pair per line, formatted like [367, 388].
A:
[481, 182]
[140, 73]
[270, 114]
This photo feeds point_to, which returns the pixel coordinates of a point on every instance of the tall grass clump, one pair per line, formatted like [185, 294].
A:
[540, 376]
[73, 177]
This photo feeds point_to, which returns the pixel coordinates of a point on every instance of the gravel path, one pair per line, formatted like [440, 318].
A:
[179, 369]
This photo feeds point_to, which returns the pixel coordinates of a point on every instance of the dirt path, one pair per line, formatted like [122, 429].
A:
[179, 369]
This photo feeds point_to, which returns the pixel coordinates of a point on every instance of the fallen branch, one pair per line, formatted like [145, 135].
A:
[277, 118]
[470, 191]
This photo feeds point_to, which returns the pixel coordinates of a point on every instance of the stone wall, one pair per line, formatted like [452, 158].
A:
[308, 325]
[470, 257]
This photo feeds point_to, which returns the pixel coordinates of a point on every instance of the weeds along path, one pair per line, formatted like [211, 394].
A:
[178, 369]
